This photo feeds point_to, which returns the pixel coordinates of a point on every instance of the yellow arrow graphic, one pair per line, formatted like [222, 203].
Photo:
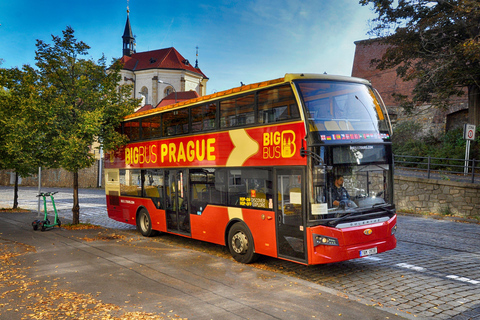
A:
[245, 147]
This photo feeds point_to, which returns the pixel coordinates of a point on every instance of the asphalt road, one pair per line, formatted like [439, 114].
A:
[433, 273]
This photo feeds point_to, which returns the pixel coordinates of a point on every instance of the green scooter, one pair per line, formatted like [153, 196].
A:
[45, 223]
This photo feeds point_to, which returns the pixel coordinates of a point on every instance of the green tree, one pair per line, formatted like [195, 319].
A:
[22, 140]
[83, 101]
[434, 43]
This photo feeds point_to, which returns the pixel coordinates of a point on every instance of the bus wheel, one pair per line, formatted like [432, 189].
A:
[144, 224]
[240, 244]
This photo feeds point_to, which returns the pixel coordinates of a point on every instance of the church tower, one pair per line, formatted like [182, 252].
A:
[160, 77]
[128, 39]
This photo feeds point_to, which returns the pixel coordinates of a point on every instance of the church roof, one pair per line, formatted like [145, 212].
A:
[181, 96]
[168, 58]
[127, 33]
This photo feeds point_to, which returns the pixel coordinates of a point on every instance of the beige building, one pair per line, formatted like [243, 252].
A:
[158, 73]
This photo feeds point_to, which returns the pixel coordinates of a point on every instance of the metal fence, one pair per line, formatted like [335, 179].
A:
[460, 170]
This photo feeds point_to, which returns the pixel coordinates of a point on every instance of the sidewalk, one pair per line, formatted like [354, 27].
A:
[93, 208]
[128, 273]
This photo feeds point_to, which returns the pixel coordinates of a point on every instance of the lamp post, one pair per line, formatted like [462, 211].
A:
[161, 81]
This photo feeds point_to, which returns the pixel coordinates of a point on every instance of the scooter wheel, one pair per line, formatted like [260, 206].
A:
[35, 225]
[59, 223]
[43, 228]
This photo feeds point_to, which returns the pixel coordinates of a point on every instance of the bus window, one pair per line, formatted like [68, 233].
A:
[132, 130]
[277, 104]
[245, 110]
[237, 112]
[175, 122]
[153, 187]
[131, 183]
[202, 189]
[227, 113]
[250, 188]
[204, 117]
[341, 106]
[151, 127]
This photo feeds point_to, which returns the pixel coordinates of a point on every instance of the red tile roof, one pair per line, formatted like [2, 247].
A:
[168, 58]
[181, 96]
[145, 108]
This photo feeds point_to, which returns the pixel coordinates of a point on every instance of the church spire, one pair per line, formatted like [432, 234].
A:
[128, 39]
[196, 60]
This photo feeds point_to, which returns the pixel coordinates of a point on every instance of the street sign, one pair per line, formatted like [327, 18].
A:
[469, 132]
[469, 135]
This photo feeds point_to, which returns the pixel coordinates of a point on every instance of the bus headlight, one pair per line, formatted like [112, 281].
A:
[324, 240]
[394, 230]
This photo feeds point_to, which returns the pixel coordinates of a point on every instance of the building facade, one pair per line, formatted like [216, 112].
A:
[388, 83]
[156, 74]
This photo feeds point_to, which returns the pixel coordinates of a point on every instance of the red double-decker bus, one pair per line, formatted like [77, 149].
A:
[298, 168]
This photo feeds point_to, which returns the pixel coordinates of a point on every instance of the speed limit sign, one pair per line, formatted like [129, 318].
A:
[469, 132]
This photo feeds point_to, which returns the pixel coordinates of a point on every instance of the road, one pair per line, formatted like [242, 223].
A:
[433, 273]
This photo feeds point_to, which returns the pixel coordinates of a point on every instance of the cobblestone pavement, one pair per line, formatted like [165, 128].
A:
[434, 273]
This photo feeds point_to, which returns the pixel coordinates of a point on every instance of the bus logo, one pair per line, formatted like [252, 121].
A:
[288, 143]
[367, 232]
[279, 144]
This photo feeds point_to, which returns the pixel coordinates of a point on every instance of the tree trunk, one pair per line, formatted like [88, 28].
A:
[474, 105]
[15, 192]
[76, 206]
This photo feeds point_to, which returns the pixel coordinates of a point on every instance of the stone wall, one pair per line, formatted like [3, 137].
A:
[87, 178]
[437, 196]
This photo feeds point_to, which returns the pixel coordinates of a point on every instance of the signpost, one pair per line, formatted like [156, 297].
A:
[469, 135]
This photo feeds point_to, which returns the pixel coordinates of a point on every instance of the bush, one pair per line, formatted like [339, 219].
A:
[408, 140]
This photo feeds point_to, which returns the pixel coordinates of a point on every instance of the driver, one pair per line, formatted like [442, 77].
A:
[339, 192]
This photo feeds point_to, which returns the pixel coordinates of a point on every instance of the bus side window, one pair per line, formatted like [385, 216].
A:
[132, 130]
[175, 122]
[227, 113]
[151, 127]
[153, 187]
[245, 109]
[204, 117]
[131, 182]
[277, 104]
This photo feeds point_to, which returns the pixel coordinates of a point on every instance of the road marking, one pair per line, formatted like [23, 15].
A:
[372, 258]
[463, 279]
[411, 267]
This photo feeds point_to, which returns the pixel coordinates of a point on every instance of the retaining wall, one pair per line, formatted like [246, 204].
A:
[437, 196]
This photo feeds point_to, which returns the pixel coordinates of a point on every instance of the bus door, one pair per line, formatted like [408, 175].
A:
[178, 219]
[289, 214]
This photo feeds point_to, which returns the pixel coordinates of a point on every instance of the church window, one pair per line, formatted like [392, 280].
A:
[144, 93]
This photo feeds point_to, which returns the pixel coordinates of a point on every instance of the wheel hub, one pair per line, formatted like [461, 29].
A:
[240, 243]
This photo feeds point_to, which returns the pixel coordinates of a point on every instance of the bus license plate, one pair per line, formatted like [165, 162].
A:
[368, 252]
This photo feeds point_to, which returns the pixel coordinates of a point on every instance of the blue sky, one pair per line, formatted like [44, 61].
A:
[239, 41]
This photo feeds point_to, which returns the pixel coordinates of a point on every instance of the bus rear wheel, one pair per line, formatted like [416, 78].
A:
[240, 244]
[144, 223]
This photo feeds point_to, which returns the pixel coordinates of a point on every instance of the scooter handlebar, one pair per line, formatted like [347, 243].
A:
[46, 194]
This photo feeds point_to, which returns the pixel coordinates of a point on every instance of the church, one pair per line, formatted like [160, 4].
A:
[159, 77]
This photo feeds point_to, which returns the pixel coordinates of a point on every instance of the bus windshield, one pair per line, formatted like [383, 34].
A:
[355, 179]
[339, 110]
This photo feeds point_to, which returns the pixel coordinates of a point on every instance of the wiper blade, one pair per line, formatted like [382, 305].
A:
[341, 218]
[383, 207]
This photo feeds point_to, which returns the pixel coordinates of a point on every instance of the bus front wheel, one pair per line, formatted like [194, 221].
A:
[144, 224]
[240, 244]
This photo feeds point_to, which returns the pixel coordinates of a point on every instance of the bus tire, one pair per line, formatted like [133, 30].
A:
[144, 223]
[240, 243]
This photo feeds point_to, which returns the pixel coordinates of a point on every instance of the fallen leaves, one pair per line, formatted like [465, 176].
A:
[24, 298]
